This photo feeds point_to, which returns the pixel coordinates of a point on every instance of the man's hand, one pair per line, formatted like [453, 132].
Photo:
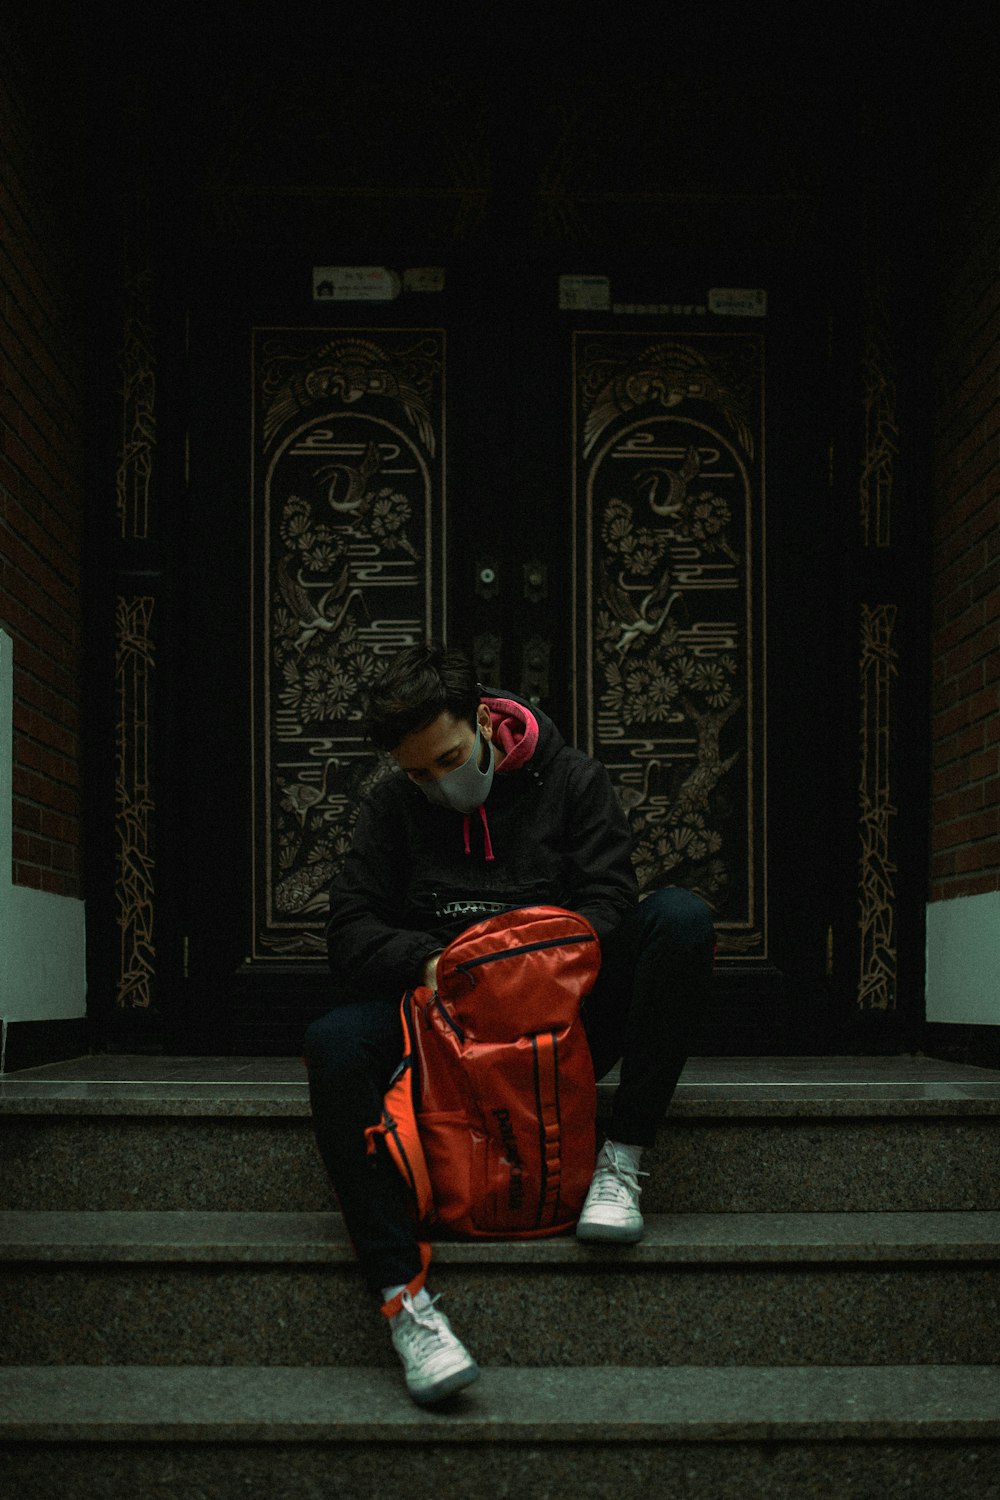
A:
[430, 975]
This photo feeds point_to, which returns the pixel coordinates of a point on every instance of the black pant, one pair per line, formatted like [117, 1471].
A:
[644, 1010]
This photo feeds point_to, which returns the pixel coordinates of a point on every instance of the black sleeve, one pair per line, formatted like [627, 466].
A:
[599, 849]
[372, 956]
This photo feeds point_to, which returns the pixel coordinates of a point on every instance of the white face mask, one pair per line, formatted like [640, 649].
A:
[465, 788]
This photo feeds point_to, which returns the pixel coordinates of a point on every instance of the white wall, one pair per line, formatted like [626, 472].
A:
[42, 939]
[963, 960]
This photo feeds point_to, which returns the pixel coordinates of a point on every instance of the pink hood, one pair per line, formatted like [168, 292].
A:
[515, 732]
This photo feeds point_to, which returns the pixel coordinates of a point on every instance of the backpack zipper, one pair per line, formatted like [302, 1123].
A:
[449, 1022]
[492, 958]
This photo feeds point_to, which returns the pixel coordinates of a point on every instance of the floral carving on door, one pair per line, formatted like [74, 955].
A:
[348, 516]
[669, 526]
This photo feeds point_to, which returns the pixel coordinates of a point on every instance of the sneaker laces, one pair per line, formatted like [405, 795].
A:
[615, 1180]
[423, 1313]
[434, 1325]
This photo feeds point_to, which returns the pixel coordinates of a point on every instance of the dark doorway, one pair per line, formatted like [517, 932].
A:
[622, 427]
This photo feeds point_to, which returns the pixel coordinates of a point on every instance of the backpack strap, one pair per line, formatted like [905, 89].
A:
[392, 1307]
[397, 1130]
[546, 1060]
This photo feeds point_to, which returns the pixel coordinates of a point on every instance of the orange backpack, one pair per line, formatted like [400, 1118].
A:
[490, 1116]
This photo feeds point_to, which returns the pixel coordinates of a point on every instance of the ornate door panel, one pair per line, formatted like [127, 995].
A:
[669, 512]
[314, 546]
[347, 531]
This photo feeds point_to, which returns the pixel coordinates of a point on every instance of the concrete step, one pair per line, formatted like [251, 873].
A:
[714, 1433]
[156, 1288]
[744, 1136]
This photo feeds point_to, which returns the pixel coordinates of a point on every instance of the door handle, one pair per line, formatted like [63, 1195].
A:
[535, 670]
[486, 659]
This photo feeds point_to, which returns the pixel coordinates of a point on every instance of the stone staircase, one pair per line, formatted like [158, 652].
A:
[815, 1309]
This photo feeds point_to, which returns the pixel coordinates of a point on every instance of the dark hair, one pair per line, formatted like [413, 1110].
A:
[417, 685]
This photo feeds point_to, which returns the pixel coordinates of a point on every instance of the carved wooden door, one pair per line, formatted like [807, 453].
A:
[622, 509]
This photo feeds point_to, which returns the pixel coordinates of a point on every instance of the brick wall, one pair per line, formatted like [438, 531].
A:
[41, 489]
[965, 792]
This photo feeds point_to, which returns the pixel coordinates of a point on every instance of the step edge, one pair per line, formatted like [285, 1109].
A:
[144, 1237]
[751, 1404]
[683, 1109]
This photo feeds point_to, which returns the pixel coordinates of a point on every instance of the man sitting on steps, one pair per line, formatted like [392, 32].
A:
[491, 810]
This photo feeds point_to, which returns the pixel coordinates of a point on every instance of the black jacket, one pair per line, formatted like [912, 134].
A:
[557, 834]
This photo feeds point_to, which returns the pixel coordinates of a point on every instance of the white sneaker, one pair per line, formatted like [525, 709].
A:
[611, 1211]
[434, 1362]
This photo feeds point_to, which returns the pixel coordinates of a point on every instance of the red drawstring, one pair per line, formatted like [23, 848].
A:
[487, 842]
[467, 835]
